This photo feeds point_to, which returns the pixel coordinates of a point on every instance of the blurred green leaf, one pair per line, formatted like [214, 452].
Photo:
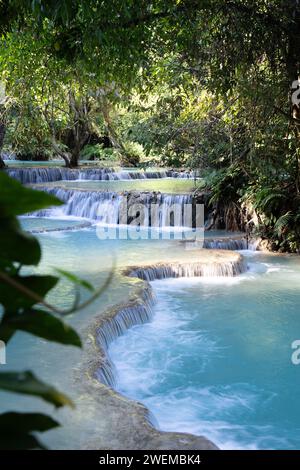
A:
[13, 299]
[42, 324]
[16, 245]
[28, 384]
[19, 442]
[24, 200]
[21, 423]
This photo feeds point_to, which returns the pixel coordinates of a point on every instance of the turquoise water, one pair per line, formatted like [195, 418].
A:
[41, 224]
[82, 253]
[164, 185]
[216, 359]
[65, 223]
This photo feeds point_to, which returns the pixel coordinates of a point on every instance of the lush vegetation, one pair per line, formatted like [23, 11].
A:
[210, 85]
[204, 85]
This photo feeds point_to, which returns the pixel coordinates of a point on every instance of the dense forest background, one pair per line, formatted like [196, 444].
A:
[208, 85]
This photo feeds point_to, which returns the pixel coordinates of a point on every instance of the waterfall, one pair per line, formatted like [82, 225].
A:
[172, 209]
[159, 210]
[94, 205]
[138, 310]
[232, 244]
[192, 269]
[227, 244]
[48, 175]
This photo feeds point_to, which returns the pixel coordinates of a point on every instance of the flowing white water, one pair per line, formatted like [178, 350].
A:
[216, 358]
[197, 365]
[84, 254]
[47, 175]
[139, 311]
[228, 244]
[192, 269]
[110, 207]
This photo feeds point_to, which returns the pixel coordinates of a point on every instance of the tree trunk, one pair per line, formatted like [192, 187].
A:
[79, 109]
[74, 158]
[62, 154]
[112, 134]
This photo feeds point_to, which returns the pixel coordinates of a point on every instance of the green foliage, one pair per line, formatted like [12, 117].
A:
[19, 428]
[132, 153]
[38, 323]
[184, 83]
[225, 185]
[22, 298]
[16, 245]
[163, 121]
[24, 199]
[278, 214]
[97, 152]
[194, 84]
[27, 134]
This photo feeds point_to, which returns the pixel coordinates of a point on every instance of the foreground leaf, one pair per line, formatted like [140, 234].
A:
[17, 245]
[26, 383]
[13, 298]
[22, 423]
[42, 324]
[24, 200]
[20, 442]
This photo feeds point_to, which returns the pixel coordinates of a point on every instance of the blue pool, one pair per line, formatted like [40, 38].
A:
[216, 359]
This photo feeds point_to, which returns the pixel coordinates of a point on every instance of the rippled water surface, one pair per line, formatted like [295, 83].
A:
[216, 359]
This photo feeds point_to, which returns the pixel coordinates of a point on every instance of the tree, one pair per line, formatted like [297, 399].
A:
[243, 56]
[4, 105]
[2, 135]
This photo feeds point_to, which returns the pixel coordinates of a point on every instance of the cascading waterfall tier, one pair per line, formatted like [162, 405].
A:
[237, 243]
[138, 309]
[48, 175]
[227, 244]
[192, 269]
[156, 210]
[109, 207]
